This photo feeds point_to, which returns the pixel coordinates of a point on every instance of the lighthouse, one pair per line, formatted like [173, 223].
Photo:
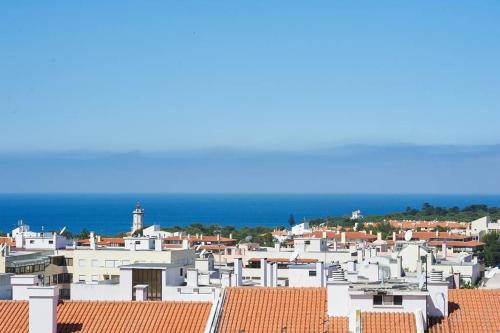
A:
[137, 218]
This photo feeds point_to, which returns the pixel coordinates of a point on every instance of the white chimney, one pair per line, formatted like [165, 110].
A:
[379, 236]
[93, 244]
[263, 272]
[270, 274]
[437, 302]
[185, 244]
[342, 237]
[43, 309]
[192, 277]
[338, 295]
[394, 236]
[444, 250]
[141, 292]
[158, 244]
[320, 274]
[238, 272]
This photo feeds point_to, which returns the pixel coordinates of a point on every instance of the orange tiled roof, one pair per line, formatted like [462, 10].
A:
[348, 235]
[470, 310]
[287, 260]
[294, 310]
[8, 241]
[456, 243]
[113, 317]
[440, 235]
[199, 239]
[104, 241]
[395, 322]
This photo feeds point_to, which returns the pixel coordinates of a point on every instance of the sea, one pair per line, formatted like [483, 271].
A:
[109, 214]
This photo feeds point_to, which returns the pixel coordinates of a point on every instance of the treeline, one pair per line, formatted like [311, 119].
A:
[430, 212]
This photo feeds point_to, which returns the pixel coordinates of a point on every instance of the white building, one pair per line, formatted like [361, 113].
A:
[301, 229]
[484, 225]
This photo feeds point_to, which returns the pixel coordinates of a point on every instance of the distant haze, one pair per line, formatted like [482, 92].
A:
[342, 169]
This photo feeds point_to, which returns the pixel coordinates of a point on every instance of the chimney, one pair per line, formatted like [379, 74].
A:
[320, 274]
[379, 236]
[437, 233]
[324, 234]
[371, 232]
[141, 292]
[98, 238]
[270, 274]
[399, 267]
[192, 277]
[158, 244]
[263, 272]
[342, 237]
[201, 237]
[444, 249]
[437, 302]
[394, 236]
[43, 309]
[334, 244]
[93, 244]
[231, 235]
[185, 244]
[338, 298]
[238, 272]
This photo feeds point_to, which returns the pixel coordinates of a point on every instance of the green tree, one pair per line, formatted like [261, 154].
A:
[491, 252]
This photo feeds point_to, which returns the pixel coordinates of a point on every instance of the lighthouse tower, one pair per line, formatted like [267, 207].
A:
[137, 218]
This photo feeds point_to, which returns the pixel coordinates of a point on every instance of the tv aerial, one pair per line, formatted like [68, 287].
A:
[62, 230]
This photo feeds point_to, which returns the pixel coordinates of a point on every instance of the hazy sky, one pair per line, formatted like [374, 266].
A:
[171, 75]
[250, 96]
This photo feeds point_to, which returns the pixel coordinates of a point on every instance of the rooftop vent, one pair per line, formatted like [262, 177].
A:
[338, 275]
[436, 276]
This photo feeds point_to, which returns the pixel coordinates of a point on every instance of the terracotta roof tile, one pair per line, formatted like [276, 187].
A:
[395, 322]
[470, 310]
[291, 310]
[113, 317]
[334, 235]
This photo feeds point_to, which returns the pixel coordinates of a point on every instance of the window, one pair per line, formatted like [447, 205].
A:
[312, 273]
[94, 263]
[51, 242]
[388, 300]
[82, 262]
[182, 272]
[151, 277]
[54, 279]
[308, 242]
[377, 300]
[109, 263]
[64, 293]
[68, 261]
[32, 241]
[82, 278]
[137, 242]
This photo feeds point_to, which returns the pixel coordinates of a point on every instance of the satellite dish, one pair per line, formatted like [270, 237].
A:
[202, 252]
[294, 256]
[248, 238]
[198, 247]
[408, 235]
[62, 230]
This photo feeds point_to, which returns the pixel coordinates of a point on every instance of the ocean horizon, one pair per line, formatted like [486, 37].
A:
[112, 213]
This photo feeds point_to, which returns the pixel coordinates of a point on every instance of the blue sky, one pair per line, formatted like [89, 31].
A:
[287, 76]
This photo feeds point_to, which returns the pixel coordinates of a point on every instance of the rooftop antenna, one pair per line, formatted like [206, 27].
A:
[62, 230]
[408, 235]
